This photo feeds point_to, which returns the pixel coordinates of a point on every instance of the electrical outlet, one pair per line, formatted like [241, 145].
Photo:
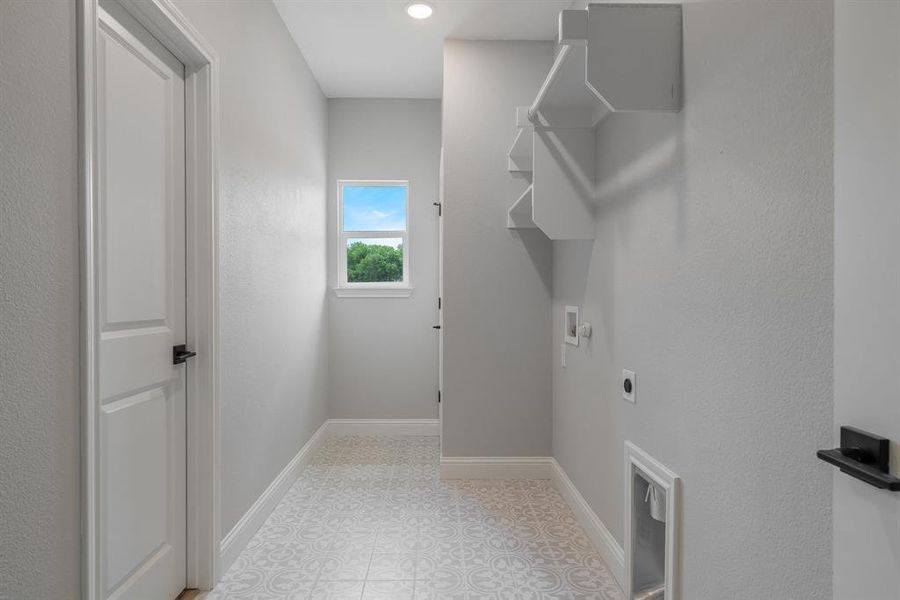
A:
[629, 383]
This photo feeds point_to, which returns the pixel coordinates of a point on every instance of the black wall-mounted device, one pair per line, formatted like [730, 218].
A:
[864, 456]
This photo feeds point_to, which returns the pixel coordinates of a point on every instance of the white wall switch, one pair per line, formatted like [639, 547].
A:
[562, 355]
[628, 385]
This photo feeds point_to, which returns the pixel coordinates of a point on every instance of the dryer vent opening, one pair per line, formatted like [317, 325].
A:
[651, 532]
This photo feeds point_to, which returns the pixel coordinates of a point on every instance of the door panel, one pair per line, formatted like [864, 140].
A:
[142, 307]
[441, 297]
[134, 450]
[137, 202]
[149, 347]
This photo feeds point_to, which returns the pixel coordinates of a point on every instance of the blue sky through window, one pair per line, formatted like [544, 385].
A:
[374, 208]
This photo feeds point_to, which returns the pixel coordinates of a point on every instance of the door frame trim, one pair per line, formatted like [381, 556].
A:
[201, 62]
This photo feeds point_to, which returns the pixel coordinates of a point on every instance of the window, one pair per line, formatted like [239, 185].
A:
[373, 241]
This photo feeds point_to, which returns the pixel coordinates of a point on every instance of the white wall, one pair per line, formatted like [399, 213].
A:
[866, 286]
[39, 424]
[497, 282]
[383, 352]
[711, 277]
[272, 226]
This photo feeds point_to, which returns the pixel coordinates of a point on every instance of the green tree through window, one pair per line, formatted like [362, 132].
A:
[374, 263]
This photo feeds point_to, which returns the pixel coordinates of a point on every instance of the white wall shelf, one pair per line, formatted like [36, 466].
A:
[520, 213]
[563, 183]
[522, 149]
[563, 99]
[612, 57]
[521, 152]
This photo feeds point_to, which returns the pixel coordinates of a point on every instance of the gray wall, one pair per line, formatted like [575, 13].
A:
[272, 225]
[711, 277]
[866, 286]
[39, 426]
[383, 352]
[497, 282]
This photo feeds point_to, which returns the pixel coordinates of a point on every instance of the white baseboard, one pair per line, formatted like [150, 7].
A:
[237, 539]
[340, 427]
[496, 467]
[603, 540]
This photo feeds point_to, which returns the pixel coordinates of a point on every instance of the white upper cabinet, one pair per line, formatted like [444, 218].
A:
[634, 56]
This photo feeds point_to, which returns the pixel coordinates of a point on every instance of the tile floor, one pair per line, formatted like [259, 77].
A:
[369, 518]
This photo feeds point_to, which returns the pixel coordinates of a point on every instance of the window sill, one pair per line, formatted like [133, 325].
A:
[373, 292]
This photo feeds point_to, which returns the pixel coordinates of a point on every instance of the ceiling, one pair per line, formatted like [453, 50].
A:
[372, 49]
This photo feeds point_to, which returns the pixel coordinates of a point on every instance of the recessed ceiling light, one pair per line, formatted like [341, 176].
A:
[419, 10]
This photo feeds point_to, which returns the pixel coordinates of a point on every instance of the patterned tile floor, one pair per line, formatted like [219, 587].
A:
[369, 518]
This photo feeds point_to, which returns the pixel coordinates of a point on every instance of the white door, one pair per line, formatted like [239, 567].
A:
[142, 312]
[866, 520]
[441, 298]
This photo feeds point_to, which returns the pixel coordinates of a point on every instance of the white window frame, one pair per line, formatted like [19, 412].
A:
[370, 288]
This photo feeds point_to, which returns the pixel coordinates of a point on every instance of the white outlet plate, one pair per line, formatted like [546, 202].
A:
[629, 396]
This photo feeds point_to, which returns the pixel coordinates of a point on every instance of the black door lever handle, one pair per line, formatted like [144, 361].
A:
[435, 326]
[180, 354]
